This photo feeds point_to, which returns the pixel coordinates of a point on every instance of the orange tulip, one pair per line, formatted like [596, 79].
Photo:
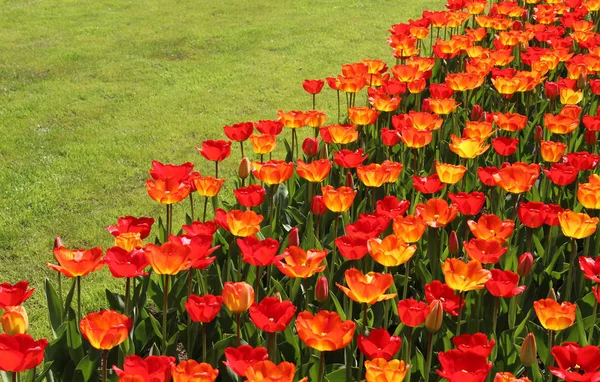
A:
[315, 171]
[570, 96]
[391, 251]
[273, 172]
[394, 169]
[414, 138]
[448, 173]
[325, 331]
[464, 277]
[560, 124]
[243, 223]
[338, 200]
[293, 119]
[369, 288]
[208, 186]
[510, 121]
[588, 194]
[267, 371]
[425, 121]
[479, 130]
[263, 144]
[106, 329]
[442, 106]
[362, 115]
[192, 371]
[375, 66]
[79, 262]
[490, 226]
[509, 377]
[467, 147]
[409, 228]
[555, 316]
[351, 84]
[237, 297]
[407, 73]
[298, 263]
[577, 225]
[167, 191]
[380, 370]
[518, 177]
[507, 86]
[464, 81]
[373, 175]
[340, 134]
[315, 118]
[14, 320]
[552, 151]
[436, 212]
[170, 258]
[384, 102]
[129, 241]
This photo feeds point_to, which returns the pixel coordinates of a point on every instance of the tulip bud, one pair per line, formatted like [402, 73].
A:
[552, 294]
[322, 289]
[277, 295]
[590, 137]
[453, 243]
[14, 320]
[476, 113]
[581, 82]
[525, 264]
[517, 25]
[323, 152]
[551, 89]
[349, 180]
[317, 206]
[528, 354]
[310, 147]
[434, 319]
[58, 242]
[293, 238]
[425, 108]
[539, 134]
[245, 168]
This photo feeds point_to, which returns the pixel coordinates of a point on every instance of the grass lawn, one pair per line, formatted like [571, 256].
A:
[92, 91]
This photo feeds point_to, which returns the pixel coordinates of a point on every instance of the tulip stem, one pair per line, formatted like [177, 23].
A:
[257, 283]
[495, 318]
[216, 169]
[242, 147]
[14, 376]
[334, 254]
[104, 365]
[460, 312]
[169, 220]
[192, 205]
[306, 298]
[594, 315]
[406, 276]
[271, 210]
[570, 272]
[237, 320]
[273, 346]
[205, 205]
[165, 309]
[549, 360]
[204, 342]
[321, 364]
[78, 280]
[429, 356]
[127, 295]
[60, 295]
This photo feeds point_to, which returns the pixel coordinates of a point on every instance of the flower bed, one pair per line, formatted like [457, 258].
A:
[442, 225]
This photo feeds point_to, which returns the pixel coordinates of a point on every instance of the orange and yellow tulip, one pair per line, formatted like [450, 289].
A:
[463, 276]
[588, 194]
[467, 148]
[293, 119]
[560, 124]
[391, 251]
[273, 172]
[490, 226]
[192, 371]
[338, 200]
[555, 316]
[267, 371]
[243, 223]
[263, 144]
[208, 186]
[369, 288]
[577, 225]
[409, 228]
[298, 263]
[552, 151]
[340, 134]
[79, 262]
[449, 174]
[106, 329]
[238, 297]
[380, 370]
[170, 258]
[315, 171]
[325, 331]
[362, 115]
[436, 212]
[518, 177]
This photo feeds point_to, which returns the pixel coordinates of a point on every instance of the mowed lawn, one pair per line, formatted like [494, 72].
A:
[92, 91]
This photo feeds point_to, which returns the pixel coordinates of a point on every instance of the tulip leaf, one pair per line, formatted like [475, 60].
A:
[338, 307]
[292, 340]
[218, 348]
[116, 301]
[338, 375]
[54, 307]
[69, 299]
[581, 329]
[74, 342]
[85, 369]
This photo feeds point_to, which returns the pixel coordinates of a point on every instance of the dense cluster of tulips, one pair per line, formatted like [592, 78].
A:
[339, 258]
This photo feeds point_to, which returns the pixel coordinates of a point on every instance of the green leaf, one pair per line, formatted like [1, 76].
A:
[115, 301]
[86, 368]
[580, 328]
[338, 307]
[74, 342]
[54, 304]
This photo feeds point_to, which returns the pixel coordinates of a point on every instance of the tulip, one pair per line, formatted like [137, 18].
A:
[412, 312]
[130, 224]
[322, 289]
[442, 292]
[379, 344]
[436, 212]
[314, 172]
[552, 151]
[76, 263]
[239, 132]
[490, 226]
[297, 263]
[216, 151]
[338, 200]
[273, 172]
[317, 206]
[464, 277]
[20, 352]
[14, 295]
[245, 168]
[325, 331]
[528, 354]
[453, 243]
[263, 144]
[339, 134]
[271, 127]
[468, 203]
[192, 371]
[477, 343]
[525, 264]
[504, 284]
[250, 196]
[14, 320]
[243, 223]
[241, 358]
[575, 362]
[105, 330]
[434, 319]
[577, 225]
[238, 297]
[203, 308]
[310, 147]
[367, 288]
[349, 159]
[428, 185]
[448, 173]
[555, 316]
[267, 371]
[152, 368]
[458, 366]
[518, 177]
[391, 251]
[313, 86]
[467, 148]
[379, 369]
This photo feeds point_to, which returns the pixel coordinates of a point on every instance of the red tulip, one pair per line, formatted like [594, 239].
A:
[468, 203]
[215, 150]
[129, 224]
[176, 173]
[238, 132]
[532, 214]
[14, 295]
[367, 226]
[458, 366]
[310, 147]
[250, 196]
[200, 249]
[122, 263]
[486, 175]
[379, 344]
[504, 284]
[317, 206]
[485, 251]
[201, 228]
[505, 146]
[576, 363]
[322, 289]
[477, 343]
[525, 264]
[352, 247]
[313, 86]
[203, 308]
[561, 174]
[241, 358]
[390, 137]
[154, 368]
[590, 268]
[551, 214]
[258, 252]
[269, 127]
[581, 160]
[348, 158]
[436, 290]
[20, 352]
[428, 185]
[412, 312]
[390, 207]
[272, 315]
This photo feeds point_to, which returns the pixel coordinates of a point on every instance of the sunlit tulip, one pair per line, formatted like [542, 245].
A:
[130, 224]
[409, 229]
[237, 297]
[106, 329]
[412, 312]
[14, 295]
[241, 358]
[552, 151]
[464, 277]
[485, 251]
[449, 174]
[391, 251]
[243, 223]
[273, 172]
[428, 185]
[155, 368]
[298, 263]
[79, 262]
[192, 371]
[436, 212]
[203, 308]
[267, 371]
[215, 150]
[576, 362]
[324, 331]
[263, 144]
[362, 115]
[293, 119]
[272, 315]
[518, 177]
[560, 124]
[338, 200]
[490, 226]
[577, 225]
[436, 290]
[379, 344]
[467, 148]
[555, 316]
[367, 288]
[14, 320]
[468, 203]
[340, 134]
[380, 370]
[459, 366]
[20, 352]
[504, 284]
[315, 171]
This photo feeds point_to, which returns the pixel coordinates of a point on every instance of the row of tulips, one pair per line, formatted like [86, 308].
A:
[339, 258]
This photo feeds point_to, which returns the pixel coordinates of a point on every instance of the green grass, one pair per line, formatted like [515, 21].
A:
[92, 91]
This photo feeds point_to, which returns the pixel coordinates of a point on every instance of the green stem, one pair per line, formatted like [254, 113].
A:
[78, 298]
[257, 283]
[165, 310]
[169, 219]
[60, 295]
[216, 169]
[104, 365]
[205, 205]
[322, 359]
[460, 312]
[237, 320]
[127, 295]
[192, 205]
[429, 356]
[550, 358]
[273, 346]
[204, 342]
[594, 315]
[406, 275]
[334, 254]
[570, 272]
